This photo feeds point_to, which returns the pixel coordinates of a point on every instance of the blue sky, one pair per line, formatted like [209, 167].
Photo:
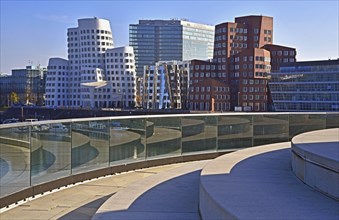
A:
[36, 30]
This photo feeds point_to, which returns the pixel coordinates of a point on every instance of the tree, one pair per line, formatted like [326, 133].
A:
[138, 100]
[14, 97]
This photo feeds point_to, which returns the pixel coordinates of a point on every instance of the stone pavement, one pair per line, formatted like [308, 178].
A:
[82, 201]
[173, 194]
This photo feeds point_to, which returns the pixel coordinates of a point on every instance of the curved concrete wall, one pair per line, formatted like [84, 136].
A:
[315, 160]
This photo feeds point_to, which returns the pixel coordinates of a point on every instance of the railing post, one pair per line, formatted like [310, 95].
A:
[145, 135]
[30, 155]
[71, 134]
[217, 132]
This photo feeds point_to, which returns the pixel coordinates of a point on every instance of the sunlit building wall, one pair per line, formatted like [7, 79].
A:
[306, 86]
[162, 40]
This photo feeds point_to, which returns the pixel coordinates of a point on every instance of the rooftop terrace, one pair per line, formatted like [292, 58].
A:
[36, 161]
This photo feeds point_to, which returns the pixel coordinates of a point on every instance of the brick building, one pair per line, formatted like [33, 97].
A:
[243, 56]
[280, 55]
[209, 95]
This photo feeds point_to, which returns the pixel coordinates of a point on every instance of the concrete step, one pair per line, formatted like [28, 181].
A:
[258, 183]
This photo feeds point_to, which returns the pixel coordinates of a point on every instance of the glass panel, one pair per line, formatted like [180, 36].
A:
[332, 120]
[234, 132]
[301, 123]
[199, 134]
[166, 137]
[14, 159]
[127, 141]
[90, 141]
[269, 129]
[51, 152]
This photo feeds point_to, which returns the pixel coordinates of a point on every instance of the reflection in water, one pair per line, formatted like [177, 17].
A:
[4, 167]
[41, 161]
[83, 154]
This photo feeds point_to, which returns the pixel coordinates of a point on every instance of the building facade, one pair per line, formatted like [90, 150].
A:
[242, 59]
[96, 75]
[57, 83]
[280, 55]
[306, 86]
[28, 85]
[162, 40]
[242, 62]
[209, 95]
[165, 85]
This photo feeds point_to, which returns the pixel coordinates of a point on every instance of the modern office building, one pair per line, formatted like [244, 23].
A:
[96, 75]
[28, 85]
[306, 86]
[58, 83]
[243, 52]
[165, 85]
[243, 64]
[163, 40]
[87, 44]
[118, 87]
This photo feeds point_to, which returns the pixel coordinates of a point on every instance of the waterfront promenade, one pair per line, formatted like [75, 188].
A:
[234, 183]
[82, 200]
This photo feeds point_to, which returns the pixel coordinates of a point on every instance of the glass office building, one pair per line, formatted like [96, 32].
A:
[306, 86]
[166, 40]
[28, 84]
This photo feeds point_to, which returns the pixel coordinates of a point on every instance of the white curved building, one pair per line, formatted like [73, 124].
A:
[89, 85]
[118, 90]
[120, 71]
[57, 84]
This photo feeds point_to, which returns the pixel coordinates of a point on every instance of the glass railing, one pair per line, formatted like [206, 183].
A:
[39, 152]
